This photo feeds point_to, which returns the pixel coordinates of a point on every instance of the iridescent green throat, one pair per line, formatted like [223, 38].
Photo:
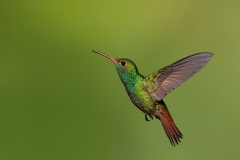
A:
[130, 78]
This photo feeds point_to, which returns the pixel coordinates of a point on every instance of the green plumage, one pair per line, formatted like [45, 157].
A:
[135, 85]
[147, 93]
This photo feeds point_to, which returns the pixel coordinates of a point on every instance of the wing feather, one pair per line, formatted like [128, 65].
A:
[172, 76]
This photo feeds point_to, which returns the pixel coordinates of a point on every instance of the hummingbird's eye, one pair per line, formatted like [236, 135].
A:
[123, 63]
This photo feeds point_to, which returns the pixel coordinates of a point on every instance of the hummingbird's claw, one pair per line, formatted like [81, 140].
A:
[151, 117]
[146, 117]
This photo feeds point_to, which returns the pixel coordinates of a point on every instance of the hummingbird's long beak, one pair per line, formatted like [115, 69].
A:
[107, 56]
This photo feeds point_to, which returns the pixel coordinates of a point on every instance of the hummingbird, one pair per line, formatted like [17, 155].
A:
[147, 92]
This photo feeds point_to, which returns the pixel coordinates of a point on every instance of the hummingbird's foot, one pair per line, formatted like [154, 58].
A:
[146, 117]
[151, 117]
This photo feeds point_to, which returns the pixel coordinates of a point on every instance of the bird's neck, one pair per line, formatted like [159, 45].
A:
[130, 80]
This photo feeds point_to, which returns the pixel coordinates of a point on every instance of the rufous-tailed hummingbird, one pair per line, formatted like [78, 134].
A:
[147, 93]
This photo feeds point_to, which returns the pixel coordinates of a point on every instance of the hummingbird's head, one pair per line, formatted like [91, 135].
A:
[126, 68]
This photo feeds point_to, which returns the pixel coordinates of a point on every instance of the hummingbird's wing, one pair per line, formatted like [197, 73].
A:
[170, 77]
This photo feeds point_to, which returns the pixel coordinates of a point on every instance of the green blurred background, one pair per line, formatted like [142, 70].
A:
[59, 101]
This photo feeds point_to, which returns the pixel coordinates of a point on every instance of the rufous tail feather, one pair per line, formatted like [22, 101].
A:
[173, 133]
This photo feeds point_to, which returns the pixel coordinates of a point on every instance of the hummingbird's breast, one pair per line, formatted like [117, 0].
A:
[141, 98]
[135, 85]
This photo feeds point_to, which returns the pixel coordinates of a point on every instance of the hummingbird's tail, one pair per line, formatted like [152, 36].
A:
[169, 126]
